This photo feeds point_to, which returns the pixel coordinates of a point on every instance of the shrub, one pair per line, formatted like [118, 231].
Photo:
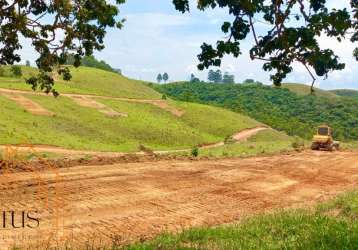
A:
[16, 70]
[298, 144]
[164, 97]
[2, 71]
[146, 150]
[195, 152]
[229, 140]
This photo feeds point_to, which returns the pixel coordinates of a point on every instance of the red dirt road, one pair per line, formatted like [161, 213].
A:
[132, 201]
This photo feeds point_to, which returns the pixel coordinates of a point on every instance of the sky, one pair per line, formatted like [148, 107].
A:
[156, 39]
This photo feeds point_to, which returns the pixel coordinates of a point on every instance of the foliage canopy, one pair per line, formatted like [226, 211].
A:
[293, 27]
[76, 27]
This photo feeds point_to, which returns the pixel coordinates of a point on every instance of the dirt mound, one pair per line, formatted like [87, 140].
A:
[27, 104]
[136, 201]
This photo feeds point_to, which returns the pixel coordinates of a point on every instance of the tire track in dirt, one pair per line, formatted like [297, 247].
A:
[136, 201]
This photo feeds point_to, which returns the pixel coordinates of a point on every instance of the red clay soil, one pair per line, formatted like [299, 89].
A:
[136, 201]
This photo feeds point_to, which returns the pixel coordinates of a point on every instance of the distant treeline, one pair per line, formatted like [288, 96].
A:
[277, 107]
[346, 93]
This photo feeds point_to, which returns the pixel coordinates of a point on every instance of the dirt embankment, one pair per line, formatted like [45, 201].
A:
[132, 201]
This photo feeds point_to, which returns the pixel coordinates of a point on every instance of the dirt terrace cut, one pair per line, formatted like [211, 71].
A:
[91, 103]
[27, 104]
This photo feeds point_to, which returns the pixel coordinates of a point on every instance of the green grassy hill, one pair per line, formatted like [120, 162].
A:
[78, 127]
[86, 80]
[302, 89]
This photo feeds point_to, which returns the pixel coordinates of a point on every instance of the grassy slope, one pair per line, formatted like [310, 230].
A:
[78, 127]
[333, 225]
[86, 128]
[88, 81]
[264, 142]
[302, 89]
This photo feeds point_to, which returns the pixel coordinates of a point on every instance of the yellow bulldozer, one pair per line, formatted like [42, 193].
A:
[324, 139]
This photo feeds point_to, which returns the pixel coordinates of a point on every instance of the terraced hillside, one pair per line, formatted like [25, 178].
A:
[112, 113]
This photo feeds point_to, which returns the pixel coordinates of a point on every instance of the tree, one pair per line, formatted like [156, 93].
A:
[159, 78]
[118, 71]
[227, 78]
[252, 82]
[193, 78]
[215, 76]
[218, 76]
[16, 70]
[55, 28]
[211, 76]
[293, 27]
[165, 77]
[28, 64]
[249, 81]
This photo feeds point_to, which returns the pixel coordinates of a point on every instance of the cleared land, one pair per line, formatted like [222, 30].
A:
[133, 201]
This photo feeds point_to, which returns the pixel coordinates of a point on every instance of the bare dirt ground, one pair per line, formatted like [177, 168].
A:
[136, 201]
